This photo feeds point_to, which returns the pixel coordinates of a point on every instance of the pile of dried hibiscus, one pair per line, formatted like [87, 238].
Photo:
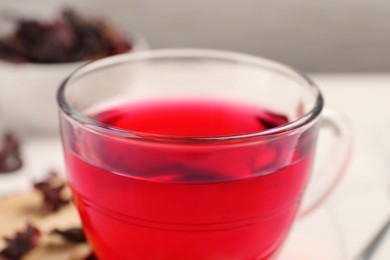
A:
[69, 38]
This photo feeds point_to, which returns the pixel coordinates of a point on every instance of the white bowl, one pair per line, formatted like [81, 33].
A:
[28, 93]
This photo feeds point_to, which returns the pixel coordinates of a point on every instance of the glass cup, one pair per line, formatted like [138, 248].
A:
[193, 154]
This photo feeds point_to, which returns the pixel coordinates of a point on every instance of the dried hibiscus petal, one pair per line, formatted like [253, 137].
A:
[10, 159]
[52, 191]
[74, 235]
[53, 199]
[69, 38]
[21, 243]
[49, 182]
[90, 257]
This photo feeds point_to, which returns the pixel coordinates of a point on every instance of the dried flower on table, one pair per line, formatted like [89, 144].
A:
[74, 235]
[21, 243]
[10, 159]
[53, 199]
[52, 191]
[52, 180]
[90, 257]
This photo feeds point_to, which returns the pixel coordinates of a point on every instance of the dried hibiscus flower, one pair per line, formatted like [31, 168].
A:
[69, 38]
[52, 180]
[21, 243]
[74, 235]
[10, 159]
[52, 191]
[90, 257]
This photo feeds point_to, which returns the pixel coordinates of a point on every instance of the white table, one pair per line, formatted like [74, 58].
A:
[361, 201]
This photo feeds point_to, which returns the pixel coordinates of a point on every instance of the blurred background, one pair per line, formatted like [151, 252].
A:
[314, 36]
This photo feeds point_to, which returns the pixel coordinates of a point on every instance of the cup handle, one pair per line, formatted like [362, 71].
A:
[334, 162]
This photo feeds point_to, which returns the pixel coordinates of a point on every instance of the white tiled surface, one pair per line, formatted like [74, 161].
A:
[361, 201]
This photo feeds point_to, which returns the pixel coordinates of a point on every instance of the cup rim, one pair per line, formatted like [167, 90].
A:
[86, 122]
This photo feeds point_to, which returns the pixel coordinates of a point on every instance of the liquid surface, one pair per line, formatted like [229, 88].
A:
[190, 118]
[150, 200]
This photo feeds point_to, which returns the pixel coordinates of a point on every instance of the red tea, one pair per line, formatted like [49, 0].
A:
[153, 199]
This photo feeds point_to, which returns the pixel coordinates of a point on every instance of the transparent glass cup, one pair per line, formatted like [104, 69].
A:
[185, 194]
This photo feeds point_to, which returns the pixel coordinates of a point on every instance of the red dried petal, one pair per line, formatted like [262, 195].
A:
[52, 193]
[68, 39]
[74, 235]
[21, 243]
[10, 159]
